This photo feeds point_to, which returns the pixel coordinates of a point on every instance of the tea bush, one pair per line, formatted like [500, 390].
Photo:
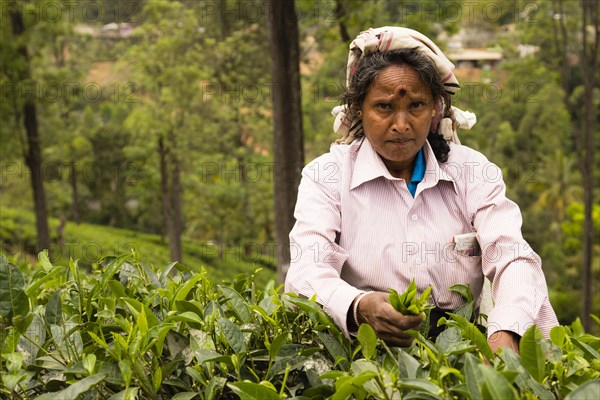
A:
[129, 331]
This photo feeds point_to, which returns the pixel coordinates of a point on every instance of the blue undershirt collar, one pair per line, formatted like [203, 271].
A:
[418, 173]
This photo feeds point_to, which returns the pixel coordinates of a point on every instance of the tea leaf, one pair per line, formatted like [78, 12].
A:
[183, 292]
[236, 304]
[473, 376]
[335, 349]
[75, 389]
[89, 362]
[407, 303]
[253, 391]
[44, 260]
[587, 349]
[420, 385]
[532, 355]
[233, 335]
[471, 332]
[495, 385]
[463, 290]
[214, 387]
[35, 284]
[368, 341]
[13, 300]
[187, 316]
[588, 390]
[276, 344]
[558, 335]
[185, 396]
[127, 394]
[349, 385]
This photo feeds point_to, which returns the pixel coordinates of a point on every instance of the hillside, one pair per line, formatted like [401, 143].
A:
[87, 243]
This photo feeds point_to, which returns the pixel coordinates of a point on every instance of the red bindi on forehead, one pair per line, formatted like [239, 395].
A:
[398, 80]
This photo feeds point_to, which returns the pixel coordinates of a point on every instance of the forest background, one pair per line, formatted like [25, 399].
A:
[149, 125]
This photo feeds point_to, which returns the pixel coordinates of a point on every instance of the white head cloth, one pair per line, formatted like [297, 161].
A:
[392, 38]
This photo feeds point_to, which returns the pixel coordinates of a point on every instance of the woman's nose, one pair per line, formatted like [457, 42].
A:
[400, 121]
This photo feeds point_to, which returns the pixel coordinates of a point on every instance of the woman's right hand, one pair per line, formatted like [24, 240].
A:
[375, 309]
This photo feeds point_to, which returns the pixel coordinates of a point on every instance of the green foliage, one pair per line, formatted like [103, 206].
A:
[408, 303]
[130, 330]
[86, 243]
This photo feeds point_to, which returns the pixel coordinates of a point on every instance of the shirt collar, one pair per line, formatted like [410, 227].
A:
[369, 166]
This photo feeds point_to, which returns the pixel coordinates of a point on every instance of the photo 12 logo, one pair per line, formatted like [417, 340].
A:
[82, 11]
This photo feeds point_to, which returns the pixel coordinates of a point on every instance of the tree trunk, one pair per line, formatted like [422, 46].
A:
[340, 16]
[171, 206]
[175, 245]
[589, 71]
[582, 128]
[75, 214]
[33, 154]
[287, 122]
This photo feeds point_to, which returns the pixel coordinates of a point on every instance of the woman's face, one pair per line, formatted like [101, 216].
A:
[396, 113]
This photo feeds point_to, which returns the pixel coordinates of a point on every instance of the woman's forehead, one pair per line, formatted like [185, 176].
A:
[399, 79]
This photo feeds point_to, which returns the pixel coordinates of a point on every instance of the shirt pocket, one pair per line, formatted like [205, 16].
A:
[456, 268]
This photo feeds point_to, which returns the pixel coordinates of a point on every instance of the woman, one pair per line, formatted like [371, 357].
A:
[389, 202]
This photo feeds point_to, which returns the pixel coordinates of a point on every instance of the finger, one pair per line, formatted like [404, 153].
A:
[402, 340]
[402, 321]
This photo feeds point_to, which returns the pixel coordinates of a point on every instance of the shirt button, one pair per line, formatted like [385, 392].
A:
[414, 217]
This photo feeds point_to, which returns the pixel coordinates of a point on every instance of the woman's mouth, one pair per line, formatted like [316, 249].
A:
[401, 141]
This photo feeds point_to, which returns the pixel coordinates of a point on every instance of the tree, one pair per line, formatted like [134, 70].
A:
[25, 109]
[579, 82]
[287, 121]
[166, 64]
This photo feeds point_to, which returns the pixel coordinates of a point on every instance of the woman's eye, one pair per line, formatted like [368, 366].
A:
[383, 106]
[417, 104]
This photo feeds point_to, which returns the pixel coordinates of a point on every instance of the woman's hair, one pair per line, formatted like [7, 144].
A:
[367, 68]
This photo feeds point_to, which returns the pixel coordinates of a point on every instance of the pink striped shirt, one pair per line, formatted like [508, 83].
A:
[359, 229]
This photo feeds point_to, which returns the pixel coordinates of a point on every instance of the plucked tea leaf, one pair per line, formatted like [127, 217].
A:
[407, 302]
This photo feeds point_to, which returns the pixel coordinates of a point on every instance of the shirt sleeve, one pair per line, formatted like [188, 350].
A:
[519, 289]
[316, 259]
